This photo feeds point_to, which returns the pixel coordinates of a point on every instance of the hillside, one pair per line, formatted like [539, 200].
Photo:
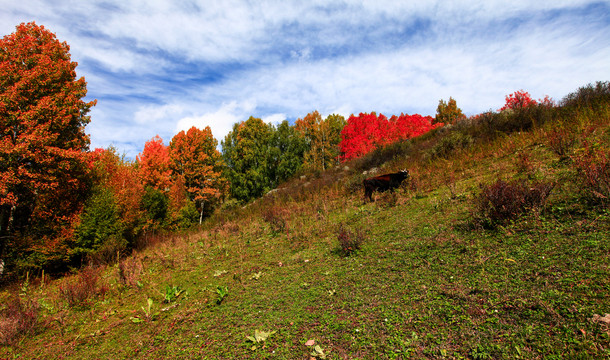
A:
[442, 268]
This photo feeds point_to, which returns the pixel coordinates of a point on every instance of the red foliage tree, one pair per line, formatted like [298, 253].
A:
[154, 164]
[518, 100]
[366, 132]
[42, 138]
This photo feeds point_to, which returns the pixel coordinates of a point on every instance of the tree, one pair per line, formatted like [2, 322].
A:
[366, 132]
[286, 153]
[362, 134]
[246, 153]
[518, 100]
[154, 164]
[121, 178]
[322, 138]
[196, 160]
[448, 112]
[42, 138]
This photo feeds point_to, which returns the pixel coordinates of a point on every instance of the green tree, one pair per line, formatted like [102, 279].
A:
[42, 141]
[448, 112]
[246, 153]
[286, 153]
[99, 222]
[196, 160]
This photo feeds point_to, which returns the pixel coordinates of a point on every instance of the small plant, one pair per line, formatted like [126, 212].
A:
[148, 314]
[222, 292]
[503, 201]
[18, 318]
[172, 293]
[349, 241]
[318, 352]
[258, 338]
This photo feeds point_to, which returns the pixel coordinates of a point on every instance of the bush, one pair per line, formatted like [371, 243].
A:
[349, 241]
[503, 201]
[448, 144]
[77, 290]
[595, 97]
[275, 217]
[561, 141]
[18, 318]
[593, 166]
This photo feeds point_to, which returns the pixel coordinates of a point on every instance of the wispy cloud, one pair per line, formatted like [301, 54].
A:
[158, 67]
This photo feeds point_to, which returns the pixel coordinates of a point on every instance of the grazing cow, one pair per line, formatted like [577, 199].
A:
[383, 183]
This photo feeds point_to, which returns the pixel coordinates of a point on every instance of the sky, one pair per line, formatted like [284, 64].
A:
[159, 67]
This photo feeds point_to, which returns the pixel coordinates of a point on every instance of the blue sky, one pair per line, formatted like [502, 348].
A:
[158, 67]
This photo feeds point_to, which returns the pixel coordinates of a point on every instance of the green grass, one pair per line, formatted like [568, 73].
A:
[428, 281]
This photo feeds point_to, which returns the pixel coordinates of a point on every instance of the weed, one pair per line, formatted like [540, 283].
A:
[259, 337]
[222, 292]
[147, 311]
[349, 241]
[172, 293]
[77, 290]
[502, 201]
[18, 318]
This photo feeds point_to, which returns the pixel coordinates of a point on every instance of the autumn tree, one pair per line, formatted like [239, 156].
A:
[518, 100]
[362, 134]
[114, 215]
[246, 153]
[366, 132]
[42, 140]
[448, 112]
[154, 164]
[322, 138]
[196, 160]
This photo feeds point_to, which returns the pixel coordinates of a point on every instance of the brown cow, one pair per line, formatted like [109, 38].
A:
[383, 183]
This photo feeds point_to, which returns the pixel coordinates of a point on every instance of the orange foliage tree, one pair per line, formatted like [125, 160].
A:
[154, 164]
[196, 160]
[42, 143]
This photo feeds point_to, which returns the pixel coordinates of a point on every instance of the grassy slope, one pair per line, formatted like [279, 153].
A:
[426, 284]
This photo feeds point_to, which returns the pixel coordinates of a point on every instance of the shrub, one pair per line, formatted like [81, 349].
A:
[593, 166]
[595, 97]
[448, 144]
[502, 201]
[18, 318]
[561, 140]
[349, 241]
[77, 290]
[130, 270]
[275, 217]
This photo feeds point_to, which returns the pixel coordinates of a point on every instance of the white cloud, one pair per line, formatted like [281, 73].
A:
[219, 121]
[158, 67]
